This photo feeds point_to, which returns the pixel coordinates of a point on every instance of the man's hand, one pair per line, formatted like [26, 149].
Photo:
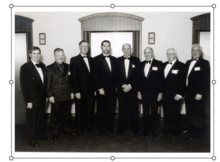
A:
[139, 95]
[51, 99]
[101, 92]
[72, 96]
[29, 105]
[94, 93]
[160, 96]
[46, 99]
[78, 96]
[198, 96]
[177, 97]
[126, 88]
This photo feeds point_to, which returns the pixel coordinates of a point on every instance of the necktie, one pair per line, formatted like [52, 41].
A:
[38, 65]
[194, 59]
[147, 62]
[170, 63]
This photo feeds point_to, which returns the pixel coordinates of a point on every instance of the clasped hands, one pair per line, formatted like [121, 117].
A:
[126, 88]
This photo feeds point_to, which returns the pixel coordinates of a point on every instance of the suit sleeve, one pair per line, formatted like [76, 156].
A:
[25, 85]
[49, 82]
[134, 82]
[204, 85]
[119, 80]
[161, 78]
[98, 84]
[182, 81]
[74, 70]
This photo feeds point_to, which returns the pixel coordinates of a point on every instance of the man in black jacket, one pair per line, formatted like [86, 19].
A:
[127, 81]
[197, 90]
[83, 85]
[60, 93]
[33, 86]
[105, 83]
[149, 79]
[172, 91]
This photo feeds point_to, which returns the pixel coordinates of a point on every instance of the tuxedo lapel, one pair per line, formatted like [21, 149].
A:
[35, 72]
[56, 69]
[196, 64]
[105, 63]
[150, 69]
[130, 68]
[122, 68]
[173, 67]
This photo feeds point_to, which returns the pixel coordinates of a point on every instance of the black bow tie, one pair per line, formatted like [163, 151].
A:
[106, 56]
[194, 59]
[170, 63]
[126, 58]
[38, 65]
[147, 62]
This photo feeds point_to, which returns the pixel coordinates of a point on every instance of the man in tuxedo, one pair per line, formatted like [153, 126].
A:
[127, 80]
[197, 90]
[149, 79]
[82, 78]
[33, 86]
[172, 91]
[105, 83]
[60, 94]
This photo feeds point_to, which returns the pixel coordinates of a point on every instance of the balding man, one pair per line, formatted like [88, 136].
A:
[150, 73]
[197, 91]
[172, 91]
[127, 81]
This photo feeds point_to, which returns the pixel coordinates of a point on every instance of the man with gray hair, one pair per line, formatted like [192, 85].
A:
[172, 91]
[197, 90]
[60, 94]
[149, 79]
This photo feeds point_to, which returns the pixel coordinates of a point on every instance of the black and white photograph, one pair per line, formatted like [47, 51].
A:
[113, 82]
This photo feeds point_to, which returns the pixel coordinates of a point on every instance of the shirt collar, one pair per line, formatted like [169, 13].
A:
[105, 54]
[35, 62]
[150, 59]
[82, 55]
[127, 57]
[58, 63]
[173, 62]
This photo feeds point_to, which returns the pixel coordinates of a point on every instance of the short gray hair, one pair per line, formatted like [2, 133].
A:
[200, 47]
[173, 50]
[126, 44]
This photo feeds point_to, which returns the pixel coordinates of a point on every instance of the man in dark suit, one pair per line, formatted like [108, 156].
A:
[127, 80]
[105, 81]
[82, 78]
[60, 94]
[149, 79]
[197, 90]
[172, 91]
[33, 86]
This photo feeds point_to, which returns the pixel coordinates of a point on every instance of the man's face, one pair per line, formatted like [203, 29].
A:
[171, 55]
[105, 48]
[196, 52]
[84, 47]
[126, 50]
[59, 57]
[35, 55]
[148, 54]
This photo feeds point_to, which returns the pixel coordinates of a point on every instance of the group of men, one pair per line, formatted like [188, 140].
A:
[106, 78]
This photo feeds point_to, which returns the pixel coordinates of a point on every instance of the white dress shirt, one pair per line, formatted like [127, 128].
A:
[147, 67]
[86, 61]
[168, 67]
[108, 61]
[190, 69]
[39, 71]
[126, 62]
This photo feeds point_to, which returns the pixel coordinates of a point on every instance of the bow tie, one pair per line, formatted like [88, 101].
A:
[106, 56]
[147, 62]
[170, 63]
[126, 58]
[38, 65]
[194, 59]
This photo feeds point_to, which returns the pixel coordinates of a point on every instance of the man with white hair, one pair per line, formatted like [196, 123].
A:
[172, 91]
[197, 90]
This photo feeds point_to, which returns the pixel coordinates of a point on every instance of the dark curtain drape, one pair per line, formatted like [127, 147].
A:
[136, 43]
[87, 36]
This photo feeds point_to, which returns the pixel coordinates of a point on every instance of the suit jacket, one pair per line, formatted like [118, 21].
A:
[149, 86]
[104, 78]
[199, 77]
[82, 79]
[58, 84]
[33, 89]
[132, 77]
[174, 83]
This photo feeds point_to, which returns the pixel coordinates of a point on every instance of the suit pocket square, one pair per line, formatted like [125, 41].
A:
[197, 68]
[175, 71]
[133, 66]
[155, 68]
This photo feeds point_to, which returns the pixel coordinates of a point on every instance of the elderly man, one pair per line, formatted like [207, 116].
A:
[60, 94]
[172, 91]
[33, 86]
[82, 78]
[105, 83]
[150, 73]
[127, 81]
[197, 90]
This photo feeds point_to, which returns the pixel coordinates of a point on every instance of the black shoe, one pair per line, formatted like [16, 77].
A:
[164, 133]
[44, 137]
[194, 137]
[118, 133]
[55, 137]
[155, 136]
[79, 133]
[136, 133]
[111, 130]
[101, 133]
[33, 144]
